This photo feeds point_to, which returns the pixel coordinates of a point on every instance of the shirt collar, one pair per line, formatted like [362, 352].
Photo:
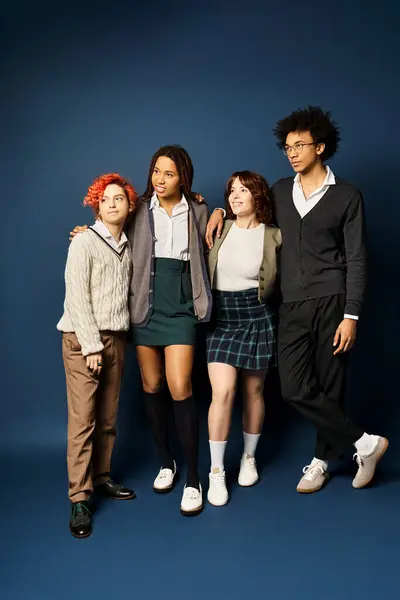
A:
[105, 233]
[329, 179]
[154, 202]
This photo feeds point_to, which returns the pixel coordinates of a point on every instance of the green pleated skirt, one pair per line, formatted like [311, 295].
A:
[173, 320]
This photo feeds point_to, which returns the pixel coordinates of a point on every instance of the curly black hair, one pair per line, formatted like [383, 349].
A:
[313, 119]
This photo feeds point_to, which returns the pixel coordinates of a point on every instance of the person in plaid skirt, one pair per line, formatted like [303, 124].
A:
[241, 338]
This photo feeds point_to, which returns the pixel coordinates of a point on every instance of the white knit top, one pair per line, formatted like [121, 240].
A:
[97, 279]
[239, 259]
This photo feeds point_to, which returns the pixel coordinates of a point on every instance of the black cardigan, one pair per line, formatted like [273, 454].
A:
[323, 253]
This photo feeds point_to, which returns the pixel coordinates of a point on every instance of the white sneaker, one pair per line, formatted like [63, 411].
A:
[217, 493]
[164, 482]
[314, 478]
[192, 501]
[248, 474]
[367, 464]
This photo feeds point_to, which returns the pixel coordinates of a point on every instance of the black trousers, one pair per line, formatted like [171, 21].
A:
[312, 378]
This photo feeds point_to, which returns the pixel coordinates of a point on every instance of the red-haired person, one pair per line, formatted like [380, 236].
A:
[94, 326]
[241, 340]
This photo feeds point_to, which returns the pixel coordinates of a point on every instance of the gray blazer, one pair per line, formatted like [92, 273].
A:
[142, 239]
[268, 267]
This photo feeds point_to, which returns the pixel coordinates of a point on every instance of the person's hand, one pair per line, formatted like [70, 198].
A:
[94, 362]
[345, 336]
[77, 229]
[200, 199]
[215, 222]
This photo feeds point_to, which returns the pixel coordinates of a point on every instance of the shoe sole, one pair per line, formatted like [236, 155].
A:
[318, 489]
[167, 489]
[132, 497]
[191, 513]
[80, 537]
[383, 450]
[222, 504]
[249, 484]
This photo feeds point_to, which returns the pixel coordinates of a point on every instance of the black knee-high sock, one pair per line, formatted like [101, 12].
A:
[158, 408]
[188, 430]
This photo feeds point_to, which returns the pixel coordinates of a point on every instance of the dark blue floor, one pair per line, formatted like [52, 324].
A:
[268, 541]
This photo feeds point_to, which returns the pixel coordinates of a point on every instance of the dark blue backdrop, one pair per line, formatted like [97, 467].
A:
[96, 87]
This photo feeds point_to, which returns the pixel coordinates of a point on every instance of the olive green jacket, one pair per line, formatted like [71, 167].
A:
[268, 268]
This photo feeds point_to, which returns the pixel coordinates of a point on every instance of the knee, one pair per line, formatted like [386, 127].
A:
[153, 385]
[294, 393]
[254, 394]
[180, 389]
[223, 396]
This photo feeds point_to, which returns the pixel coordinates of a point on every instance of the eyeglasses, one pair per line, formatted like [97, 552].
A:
[298, 148]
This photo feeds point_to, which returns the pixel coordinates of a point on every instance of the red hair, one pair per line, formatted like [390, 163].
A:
[258, 188]
[96, 190]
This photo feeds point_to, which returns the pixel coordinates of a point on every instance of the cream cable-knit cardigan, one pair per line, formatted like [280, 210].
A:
[97, 281]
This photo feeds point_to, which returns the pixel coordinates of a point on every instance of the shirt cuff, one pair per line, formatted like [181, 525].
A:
[223, 210]
[351, 317]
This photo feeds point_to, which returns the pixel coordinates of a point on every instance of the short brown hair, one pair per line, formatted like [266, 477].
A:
[258, 188]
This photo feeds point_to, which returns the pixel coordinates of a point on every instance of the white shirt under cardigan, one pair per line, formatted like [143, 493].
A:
[239, 259]
[305, 205]
[171, 232]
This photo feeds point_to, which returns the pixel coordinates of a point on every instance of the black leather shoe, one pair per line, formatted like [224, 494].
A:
[115, 491]
[80, 523]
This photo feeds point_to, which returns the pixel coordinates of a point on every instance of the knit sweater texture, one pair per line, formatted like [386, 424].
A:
[97, 282]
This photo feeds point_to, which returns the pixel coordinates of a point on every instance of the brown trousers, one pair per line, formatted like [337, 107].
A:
[92, 412]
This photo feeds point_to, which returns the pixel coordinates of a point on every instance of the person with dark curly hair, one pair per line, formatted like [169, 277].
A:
[169, 295]
[322, 273]
[241, 337]
[94, 325]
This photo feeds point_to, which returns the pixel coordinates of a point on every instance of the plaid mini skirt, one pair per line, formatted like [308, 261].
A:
[242, 332]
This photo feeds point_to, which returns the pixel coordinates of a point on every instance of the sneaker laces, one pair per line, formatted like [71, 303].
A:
[249, 461]
[311, 472]
[218, 479]
[359, 459]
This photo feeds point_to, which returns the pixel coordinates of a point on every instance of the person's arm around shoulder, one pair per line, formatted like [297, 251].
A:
[77, 229]
[214, 226]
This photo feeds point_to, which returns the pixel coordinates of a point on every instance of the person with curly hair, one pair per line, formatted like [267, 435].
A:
[94, 326]
[241, 338]
[169, 296]
[323, 264]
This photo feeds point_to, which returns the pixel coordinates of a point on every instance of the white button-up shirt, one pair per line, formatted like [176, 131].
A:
[106, 235]
[171, 232]
[305, 205]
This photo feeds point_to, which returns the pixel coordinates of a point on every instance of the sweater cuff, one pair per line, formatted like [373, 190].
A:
[352, 308]
[92, 348]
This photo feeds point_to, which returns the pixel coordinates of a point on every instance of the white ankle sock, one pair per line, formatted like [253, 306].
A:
[318, 461]
[217, 451]
[366, 444]
[250, 443]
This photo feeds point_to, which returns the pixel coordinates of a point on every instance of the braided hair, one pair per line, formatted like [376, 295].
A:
[183, 165]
